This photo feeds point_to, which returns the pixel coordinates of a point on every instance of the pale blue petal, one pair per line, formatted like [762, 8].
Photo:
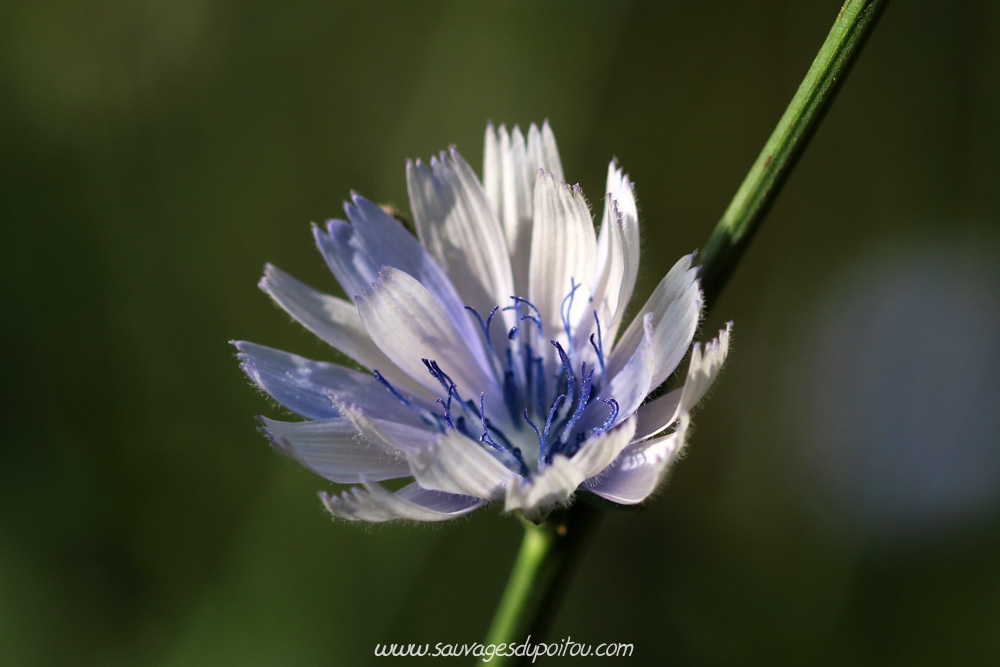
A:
[548, 153]
[658, 414]
[612, 263]
[456, 464]
[496, 144]
[304, 386]
[386, 242]
[620, 259]
[396, 437]
[374, 504]
[676, 308]
[640, 469]
[510, 166]
[705, 366]
[341, 247]
[409, 325]
[337, 323]
[597, 453]
[630, 385]
[456, 224]
[563, 254]
[333, 449]
[540, 494]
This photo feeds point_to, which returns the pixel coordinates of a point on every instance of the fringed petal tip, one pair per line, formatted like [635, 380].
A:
[706, 363]
[372, 503]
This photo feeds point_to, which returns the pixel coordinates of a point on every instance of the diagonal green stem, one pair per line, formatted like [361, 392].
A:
[762, 184]
[540, 576]
[549, 550]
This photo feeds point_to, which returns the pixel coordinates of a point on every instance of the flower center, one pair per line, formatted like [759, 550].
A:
[553, 404]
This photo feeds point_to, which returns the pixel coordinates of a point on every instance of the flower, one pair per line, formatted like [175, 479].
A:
[497, 368]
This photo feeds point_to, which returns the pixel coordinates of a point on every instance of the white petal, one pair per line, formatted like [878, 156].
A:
[598, 453]
[554, 487]
[658, 414]
[516, 201]
[458, 227]
[704, 368]
[457, 464]
[563, 253]
[630, 385]
[374, 504]
[336, 322]
[510, 167]
[612, 260]
[409, 324]
[640, 468]
[676, 307]
[519, 174]
[493, 156]
[394, 437]
[620, 208]
[557, 482]
[548, 152]
[333, 449]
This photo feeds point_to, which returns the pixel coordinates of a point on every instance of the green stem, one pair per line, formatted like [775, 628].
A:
[539, 577]
[762, 184]
[550, 549]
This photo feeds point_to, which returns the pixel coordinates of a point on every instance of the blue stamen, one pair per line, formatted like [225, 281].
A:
[470, 407]
[510, 393]
[428, 417]
[449, 386]
[524, 378]
[539, 373]
[580, 404]
[527, 363]
[504, 442]
[567, 370]
[485, 326]
[509, 451]
[447, 411]
[485, 437]
[609, 422]
[435, 371]
[536, 318]
[542, 454]
[505, 447]
[566, 308]
[599, 346]
[541, 443]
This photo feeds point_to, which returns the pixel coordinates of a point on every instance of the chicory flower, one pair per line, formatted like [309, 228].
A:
[498, 371]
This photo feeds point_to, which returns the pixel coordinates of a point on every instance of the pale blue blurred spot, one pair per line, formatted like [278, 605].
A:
[897, 396]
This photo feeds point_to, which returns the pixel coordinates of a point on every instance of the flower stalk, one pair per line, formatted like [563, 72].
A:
[550, 549]
[746, 211]
[541, 573]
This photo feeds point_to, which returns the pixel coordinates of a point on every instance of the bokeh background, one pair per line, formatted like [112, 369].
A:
[840, 501]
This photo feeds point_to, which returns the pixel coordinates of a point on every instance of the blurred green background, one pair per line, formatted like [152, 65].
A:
[840, 501]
